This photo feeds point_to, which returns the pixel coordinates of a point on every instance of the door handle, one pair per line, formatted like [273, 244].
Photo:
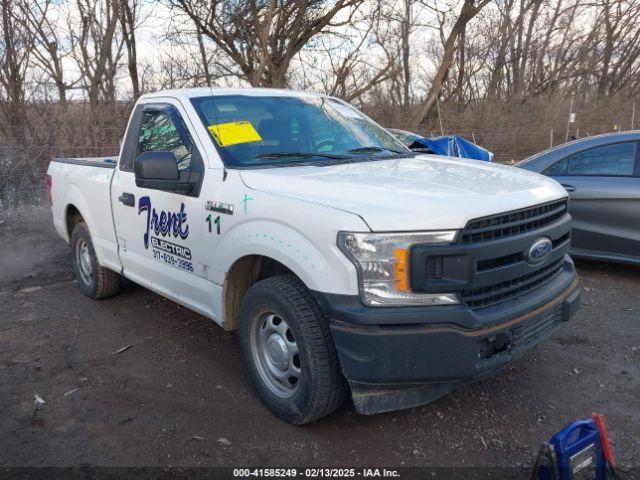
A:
[569, 188]
[127, 199]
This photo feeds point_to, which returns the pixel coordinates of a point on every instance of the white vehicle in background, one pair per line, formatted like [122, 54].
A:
[349, 264]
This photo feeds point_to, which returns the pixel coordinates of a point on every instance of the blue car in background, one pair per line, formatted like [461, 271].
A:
[449, 145]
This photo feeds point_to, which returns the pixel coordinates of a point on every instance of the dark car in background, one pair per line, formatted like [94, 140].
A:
[602, 175]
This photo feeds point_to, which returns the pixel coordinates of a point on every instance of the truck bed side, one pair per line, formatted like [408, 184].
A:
[81, 187]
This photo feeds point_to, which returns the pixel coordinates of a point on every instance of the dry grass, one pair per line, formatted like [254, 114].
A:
[512, 131]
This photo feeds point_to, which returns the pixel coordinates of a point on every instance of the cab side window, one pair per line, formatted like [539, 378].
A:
[609, 160]
[158, 133]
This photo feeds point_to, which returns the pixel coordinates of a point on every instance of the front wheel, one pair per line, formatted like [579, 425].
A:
[93, 280]
[289, 351]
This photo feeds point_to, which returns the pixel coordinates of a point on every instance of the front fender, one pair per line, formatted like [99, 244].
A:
[300, 235]
[307, 248]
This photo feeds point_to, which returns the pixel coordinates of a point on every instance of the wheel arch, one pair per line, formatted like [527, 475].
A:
[245, 272]
[317, 262]
[72, 216]
[76, 209]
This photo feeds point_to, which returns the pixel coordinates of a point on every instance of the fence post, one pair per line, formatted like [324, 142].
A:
[551, 138]
[566, 138]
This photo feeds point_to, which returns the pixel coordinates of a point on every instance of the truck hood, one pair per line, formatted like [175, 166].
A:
[422, 193]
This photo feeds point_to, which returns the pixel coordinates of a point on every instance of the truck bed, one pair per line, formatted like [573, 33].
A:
[85, 184]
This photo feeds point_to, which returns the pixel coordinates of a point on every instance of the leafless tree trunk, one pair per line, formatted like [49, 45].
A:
[93, 47]
[497, 71]
[16, 47]
[525, 49]
[203, 55]
[405, 32]
[469, 10]
[128, 15]
[49, 52]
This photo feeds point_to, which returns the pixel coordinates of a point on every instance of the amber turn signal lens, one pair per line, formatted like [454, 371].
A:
[402, 269]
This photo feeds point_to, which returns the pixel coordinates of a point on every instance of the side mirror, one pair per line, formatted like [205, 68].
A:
[157, 170]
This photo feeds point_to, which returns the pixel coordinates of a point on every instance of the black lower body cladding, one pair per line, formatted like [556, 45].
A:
[401, 357]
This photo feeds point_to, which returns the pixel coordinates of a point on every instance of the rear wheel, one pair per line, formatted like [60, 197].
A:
[289, 351]
[93, 280]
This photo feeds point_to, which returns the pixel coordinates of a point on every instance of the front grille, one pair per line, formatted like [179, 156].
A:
[491, 295]
[513, 223]
[506, 260]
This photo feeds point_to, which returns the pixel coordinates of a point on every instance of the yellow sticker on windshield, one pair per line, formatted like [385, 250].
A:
[233, 133]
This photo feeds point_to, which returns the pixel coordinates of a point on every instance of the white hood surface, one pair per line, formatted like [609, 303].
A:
[409, 194]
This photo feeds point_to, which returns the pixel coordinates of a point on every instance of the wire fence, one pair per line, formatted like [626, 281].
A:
[24, 161]
[23, 168]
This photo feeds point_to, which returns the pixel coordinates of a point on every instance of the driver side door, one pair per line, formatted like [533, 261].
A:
[159, 231]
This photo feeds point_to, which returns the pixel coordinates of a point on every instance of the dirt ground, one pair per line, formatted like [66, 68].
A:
[179, 395]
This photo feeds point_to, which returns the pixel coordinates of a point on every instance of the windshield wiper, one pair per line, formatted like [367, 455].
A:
[374, 149]
[277, 155]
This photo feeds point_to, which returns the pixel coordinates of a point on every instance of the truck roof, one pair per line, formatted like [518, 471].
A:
[187, 93]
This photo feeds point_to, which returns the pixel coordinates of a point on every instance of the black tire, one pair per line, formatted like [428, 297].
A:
[101, 282]
[322, 387]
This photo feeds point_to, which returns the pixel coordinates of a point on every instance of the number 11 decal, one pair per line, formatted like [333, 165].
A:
[216, 221]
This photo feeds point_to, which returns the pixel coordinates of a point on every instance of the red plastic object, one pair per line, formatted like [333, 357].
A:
[604, 438]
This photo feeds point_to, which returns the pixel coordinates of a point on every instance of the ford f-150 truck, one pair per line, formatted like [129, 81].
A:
[349, 264]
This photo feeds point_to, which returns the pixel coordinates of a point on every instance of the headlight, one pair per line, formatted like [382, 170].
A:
[382, 260]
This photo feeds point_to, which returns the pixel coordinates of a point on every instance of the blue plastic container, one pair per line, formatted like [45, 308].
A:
[578, 453]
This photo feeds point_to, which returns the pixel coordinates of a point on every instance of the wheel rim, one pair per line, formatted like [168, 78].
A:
[83, 260]
[275, 354]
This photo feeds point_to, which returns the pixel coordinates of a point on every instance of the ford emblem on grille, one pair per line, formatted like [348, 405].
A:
[539, 250]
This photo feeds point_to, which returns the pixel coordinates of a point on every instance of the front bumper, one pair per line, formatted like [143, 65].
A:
[400, 357]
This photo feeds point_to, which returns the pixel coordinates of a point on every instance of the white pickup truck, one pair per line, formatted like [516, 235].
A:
[349, 264]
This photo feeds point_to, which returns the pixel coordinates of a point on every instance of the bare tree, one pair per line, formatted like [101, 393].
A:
[405, 32]
[620, 41]
[364, 59]
[96, 48]
[470, 8]
[203, 54]
[50, 53]
[129, 12]
[16, 47]
[261, 37]
[192, 59]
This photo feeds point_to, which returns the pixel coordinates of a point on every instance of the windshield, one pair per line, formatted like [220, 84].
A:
[251, 131]
[407, 138]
